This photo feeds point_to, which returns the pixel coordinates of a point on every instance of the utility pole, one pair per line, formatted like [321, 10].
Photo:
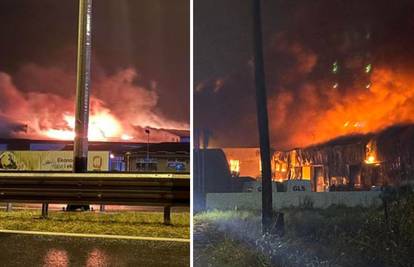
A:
[147, 164]
[148, 139]
[83, 81]
[262, 119]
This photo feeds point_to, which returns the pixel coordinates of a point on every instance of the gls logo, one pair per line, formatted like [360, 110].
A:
[298, 188]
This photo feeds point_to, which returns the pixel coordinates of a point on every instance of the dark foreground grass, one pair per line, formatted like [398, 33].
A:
[336, 236]
[212, 247]
[149, 224]
[230, 253]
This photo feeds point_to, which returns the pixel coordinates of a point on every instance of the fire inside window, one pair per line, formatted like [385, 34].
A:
[370, 153]
[306, 173]
[281, 167]
[235, 167]
[370, 159]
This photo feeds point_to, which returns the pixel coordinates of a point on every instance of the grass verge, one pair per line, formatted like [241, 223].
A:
[149, 224]
[215, 248]
[336, 236]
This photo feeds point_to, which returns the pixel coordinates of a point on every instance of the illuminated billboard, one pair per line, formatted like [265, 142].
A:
[50, 160]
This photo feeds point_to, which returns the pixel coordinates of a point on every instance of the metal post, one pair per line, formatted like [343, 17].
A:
[80, 161]
[262, 119]
[167, 215]
[147, 161]
[9, 207]
[148, 147]
[203, 175]
[45, 210]
[127, 163]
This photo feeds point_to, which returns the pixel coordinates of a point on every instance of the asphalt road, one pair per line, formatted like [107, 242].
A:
[57, 251]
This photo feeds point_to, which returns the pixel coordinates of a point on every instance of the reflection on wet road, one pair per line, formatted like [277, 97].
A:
[51, 251]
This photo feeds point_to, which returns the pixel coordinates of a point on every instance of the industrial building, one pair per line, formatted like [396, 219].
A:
[358, 162]
[351, 163]
[161, 157]
[114, 156]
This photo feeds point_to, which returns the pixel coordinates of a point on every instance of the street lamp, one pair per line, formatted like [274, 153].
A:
[83, 84]
[147, 131]
[80, 161]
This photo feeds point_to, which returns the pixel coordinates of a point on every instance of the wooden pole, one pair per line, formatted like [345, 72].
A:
[262, 119]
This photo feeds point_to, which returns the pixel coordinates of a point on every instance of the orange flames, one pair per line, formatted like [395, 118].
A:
[102, 127]
[389, 100]
[120, 109]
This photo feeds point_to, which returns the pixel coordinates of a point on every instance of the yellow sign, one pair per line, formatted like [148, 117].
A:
[50, 160]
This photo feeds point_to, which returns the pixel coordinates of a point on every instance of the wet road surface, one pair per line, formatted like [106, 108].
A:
[48, 251]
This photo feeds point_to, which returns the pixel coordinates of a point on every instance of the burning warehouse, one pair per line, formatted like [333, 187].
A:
[357, 162]
[354, 162]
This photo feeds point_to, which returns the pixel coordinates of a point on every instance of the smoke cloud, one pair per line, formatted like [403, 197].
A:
[333, 68]
[42, 100]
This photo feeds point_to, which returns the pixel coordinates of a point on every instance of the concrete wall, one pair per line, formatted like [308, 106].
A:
[252, 201]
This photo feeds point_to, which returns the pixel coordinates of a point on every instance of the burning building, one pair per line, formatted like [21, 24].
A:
[353, 162]
[357, 162]
[243, 161]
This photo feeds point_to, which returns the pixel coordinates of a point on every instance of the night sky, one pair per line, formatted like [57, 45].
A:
[302, 41]
[150, 36]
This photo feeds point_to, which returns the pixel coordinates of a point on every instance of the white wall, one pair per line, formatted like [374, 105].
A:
[252, 201]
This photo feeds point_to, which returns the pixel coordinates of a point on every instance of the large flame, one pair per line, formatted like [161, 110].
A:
[388, 101]
[119, 110]
[306, 111]
[102, 127]
[310, 101]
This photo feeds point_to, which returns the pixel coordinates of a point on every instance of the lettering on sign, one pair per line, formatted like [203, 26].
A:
[97, 162]
[298, 188]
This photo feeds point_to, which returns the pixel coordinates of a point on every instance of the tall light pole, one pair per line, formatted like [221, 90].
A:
[83, 81]
[147, 131]
[262, 119]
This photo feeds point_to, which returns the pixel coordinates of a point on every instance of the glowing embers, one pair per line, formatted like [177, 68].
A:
[368, 68]
[335, 67]
[356, 125]
[234, 167]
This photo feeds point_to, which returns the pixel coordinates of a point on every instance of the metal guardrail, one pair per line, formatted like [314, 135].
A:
[149, 189]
